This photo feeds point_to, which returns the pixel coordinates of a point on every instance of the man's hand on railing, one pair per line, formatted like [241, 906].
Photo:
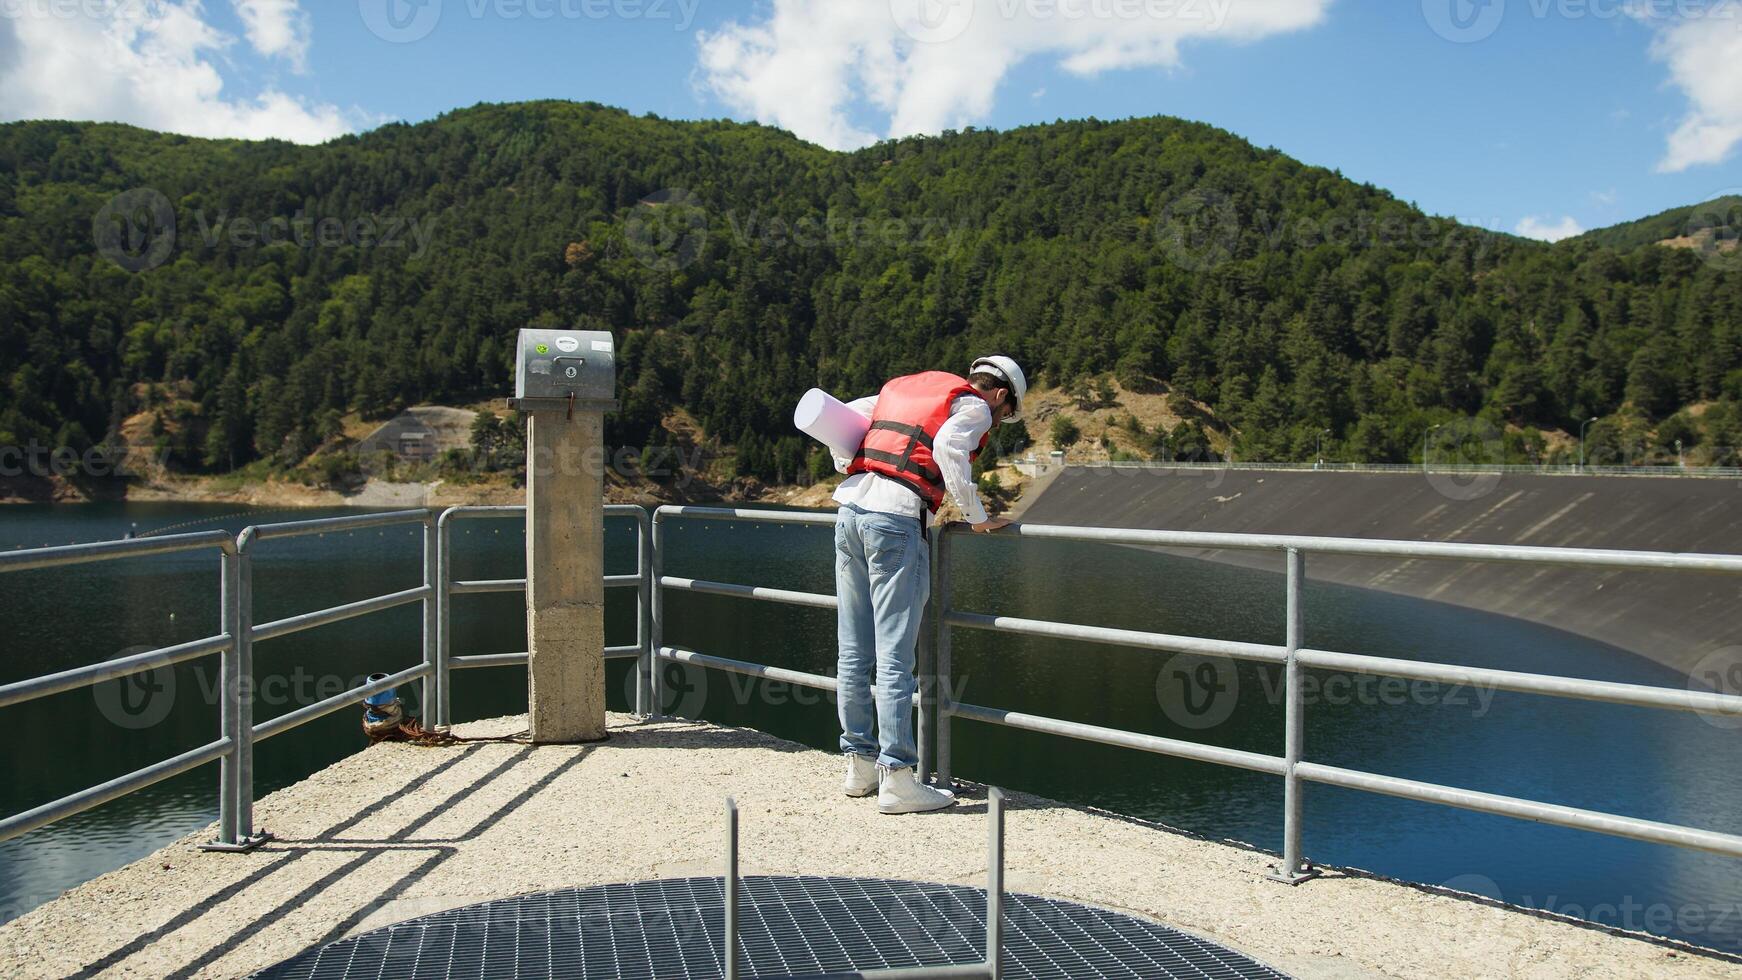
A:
[992, 524]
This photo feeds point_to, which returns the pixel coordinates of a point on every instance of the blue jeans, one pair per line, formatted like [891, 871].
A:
[883, 579]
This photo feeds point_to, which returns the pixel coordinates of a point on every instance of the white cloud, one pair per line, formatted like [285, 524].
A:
[1541, 228]
[151, 65]
[1703, 49]
[922, 66]
[276, 29]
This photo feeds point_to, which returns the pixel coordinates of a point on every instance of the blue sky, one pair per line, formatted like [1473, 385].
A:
[1541, 116]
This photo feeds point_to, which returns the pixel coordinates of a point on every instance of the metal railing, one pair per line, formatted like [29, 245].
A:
[237, 732]
[225, 644]
[240, 705]
[234, 748]
[938, 711]
[1431, 466]
[446, 663]
[990, 966]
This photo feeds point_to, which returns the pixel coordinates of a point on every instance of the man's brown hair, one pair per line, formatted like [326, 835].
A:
[987, 381]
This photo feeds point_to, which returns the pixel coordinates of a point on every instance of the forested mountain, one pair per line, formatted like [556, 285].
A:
[1718, 221]
[738, 266]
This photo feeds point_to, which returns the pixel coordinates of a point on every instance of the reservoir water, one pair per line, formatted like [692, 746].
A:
[1641, 762]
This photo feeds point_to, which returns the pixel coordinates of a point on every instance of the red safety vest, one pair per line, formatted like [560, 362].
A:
[910, 410]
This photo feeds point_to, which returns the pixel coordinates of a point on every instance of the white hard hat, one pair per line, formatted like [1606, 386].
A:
[1007, 369]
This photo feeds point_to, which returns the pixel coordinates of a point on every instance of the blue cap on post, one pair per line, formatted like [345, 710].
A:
[382, 698]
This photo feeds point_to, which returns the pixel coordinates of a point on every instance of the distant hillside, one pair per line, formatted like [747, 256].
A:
[1711, 224]
[739, 265]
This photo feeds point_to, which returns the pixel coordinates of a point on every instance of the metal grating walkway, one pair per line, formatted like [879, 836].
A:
[788, 926]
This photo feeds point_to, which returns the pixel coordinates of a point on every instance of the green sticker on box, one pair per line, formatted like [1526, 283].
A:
[542, 348]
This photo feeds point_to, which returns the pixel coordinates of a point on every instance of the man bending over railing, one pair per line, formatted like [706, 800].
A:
[926, 430]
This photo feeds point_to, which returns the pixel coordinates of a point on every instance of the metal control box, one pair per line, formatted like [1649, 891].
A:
[565, 369]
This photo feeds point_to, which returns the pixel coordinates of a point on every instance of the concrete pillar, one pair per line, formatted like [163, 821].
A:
[565, 575]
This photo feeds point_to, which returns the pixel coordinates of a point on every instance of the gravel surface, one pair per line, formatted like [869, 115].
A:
[397, 831]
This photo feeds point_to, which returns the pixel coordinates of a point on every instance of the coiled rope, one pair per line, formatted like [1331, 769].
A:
[388, 723]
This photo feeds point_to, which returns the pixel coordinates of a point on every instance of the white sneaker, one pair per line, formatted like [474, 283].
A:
[902, 792]
[861, 776]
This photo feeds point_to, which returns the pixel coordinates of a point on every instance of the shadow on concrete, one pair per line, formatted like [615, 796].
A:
[331, 839]
[682, 733]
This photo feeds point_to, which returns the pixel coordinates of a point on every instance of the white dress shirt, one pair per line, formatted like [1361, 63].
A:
[970, 419]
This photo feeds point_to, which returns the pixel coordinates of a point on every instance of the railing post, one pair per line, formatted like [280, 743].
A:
[229, 692]
[656, 625]
[644, 663]
[730, 885]
[941, 599]
[429, 701]
[1294, 869]
[995, 883]
[236, 775]
[444, 621]
[245, 679]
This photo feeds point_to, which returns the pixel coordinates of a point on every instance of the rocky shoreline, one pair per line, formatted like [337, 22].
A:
[383, 493]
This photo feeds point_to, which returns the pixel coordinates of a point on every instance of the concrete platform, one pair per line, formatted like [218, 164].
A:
[396, 832]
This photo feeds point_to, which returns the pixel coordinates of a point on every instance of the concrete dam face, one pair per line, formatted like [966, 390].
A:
[1676, 618]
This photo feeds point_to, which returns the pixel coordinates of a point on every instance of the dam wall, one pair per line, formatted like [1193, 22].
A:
[1680, 619]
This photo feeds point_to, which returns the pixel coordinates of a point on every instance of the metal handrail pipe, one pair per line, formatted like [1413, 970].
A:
[322, 525]
[1529, 469]
[747, 514]
[25, 559]
[1639, 695]
[477, 586]
[814, 599]
[1194, 751]
[483, 511]
[302, 716]
[479, 511]
[350, 610]
[68, 680]
[520, 659]
[83, 800]
[489, 660]
[1376, 548]
[1262, 652]
[1649, 831]
[821, 682]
